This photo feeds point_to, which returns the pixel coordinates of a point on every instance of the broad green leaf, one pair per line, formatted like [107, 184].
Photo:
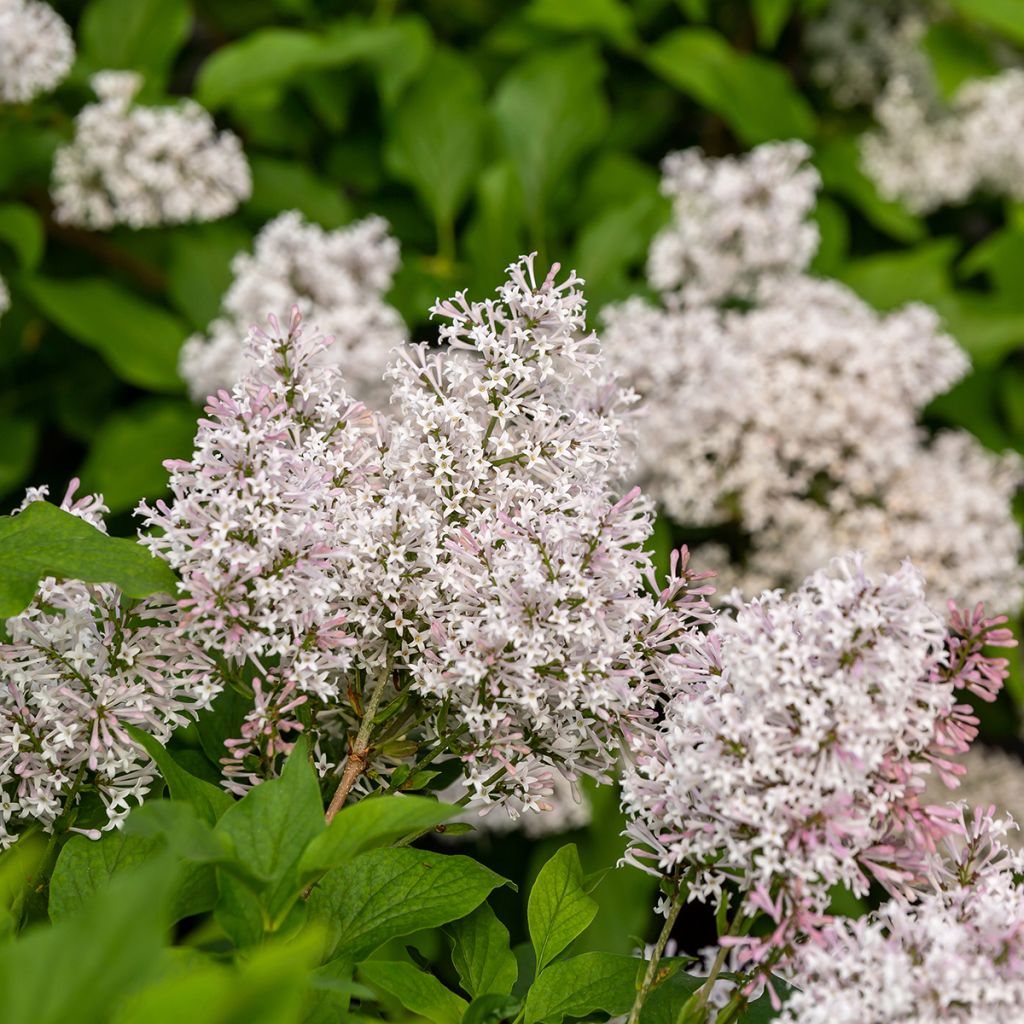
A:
[838, 162]
[387, 893]
[140, 341]
[126, 460]
[279, 185]
[210, 802]
[492, 1008]
[494, 236]
[559, 908]
[610, 18]
[271, 827]
[481, 953]
[47, 541]
[368, 824]
[988, 330]
[1001, 256]
[420, 993]
[890, 279]
[1006, 16]
[22, 230]
[436, 137]
[144, 34]
[85, 866]
[666, 1000]
[754, 96]
[770, 17]
[957, 55]
[550, 111]
[583, 985]
[78, 969]
[19, 439]
[199, 269]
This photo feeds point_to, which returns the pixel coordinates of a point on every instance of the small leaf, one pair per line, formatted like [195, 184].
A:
[22, 230]
[754, 96]
[368, 824]
[482, 955]
[209, 801]
[583, 985]
[420, 993]
[559, 908]
[140, 341]
[47, 541]
[384, 894]
[770, 17]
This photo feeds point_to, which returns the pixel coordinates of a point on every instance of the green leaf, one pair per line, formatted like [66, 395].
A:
[85, 866]
[368, 824]
[754, 96]
[890, 279]
[492, 1008]
[494, 237]
[144, 34]
[126, 460]
[140, 341]
[436, 138]
[420, 993]
[770, 17]
[610, 18]
[838, 162]
[482, 955]
[387, 893]
[270, 828]
[583, 985]
[46, 541]
[1001, 256]
[17, 451]
[81, 967]
[669, 997]
[957, 55]
[210, 802]
[1006, 16]
[22, 230]
[550, 111]
[279, 185]
[559, 908]
[199, 268]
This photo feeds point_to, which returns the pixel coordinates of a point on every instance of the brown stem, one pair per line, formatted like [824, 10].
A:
[359, 753]
[659, 948]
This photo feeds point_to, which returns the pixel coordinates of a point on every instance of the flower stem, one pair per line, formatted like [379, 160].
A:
[659, 948]
[359, 752]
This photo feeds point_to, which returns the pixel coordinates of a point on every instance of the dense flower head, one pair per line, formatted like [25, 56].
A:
[469, 546]
[857, 48]
[928, 154]
[790, 426]
[36, 50]
[145, 166]
[734, 221]
[337, 279]
[956, 954]
[794, 757]
[83, 662]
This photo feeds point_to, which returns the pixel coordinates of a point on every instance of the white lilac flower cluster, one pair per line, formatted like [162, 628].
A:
[337, 279]
[792, 418]
[468, 549]
[145, 166]
[734, 222]
[82, 662]
[928, 154]
[856, 48]
[956, 954]
[36, 50]
[794, 756]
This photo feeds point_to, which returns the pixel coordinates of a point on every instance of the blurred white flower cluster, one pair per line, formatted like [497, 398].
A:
[467, 551]
[956, 954]
[791, 418]
[82, 663]
[928, 154]
[36, 50]
[337, 279]
[858, 47]
[145, 166]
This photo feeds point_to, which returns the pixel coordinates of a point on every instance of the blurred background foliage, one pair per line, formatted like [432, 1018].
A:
[480, 130]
